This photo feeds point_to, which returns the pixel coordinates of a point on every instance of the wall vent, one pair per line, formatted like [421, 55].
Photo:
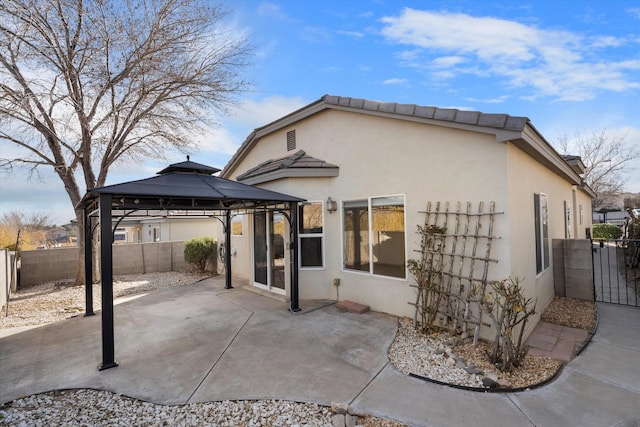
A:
[291, 140]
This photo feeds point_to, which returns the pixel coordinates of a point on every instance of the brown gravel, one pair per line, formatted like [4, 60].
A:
[534, 370]
[572, 313]
[561, 311]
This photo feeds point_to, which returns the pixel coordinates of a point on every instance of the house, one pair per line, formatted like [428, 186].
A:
[368, 170]
[163, 226]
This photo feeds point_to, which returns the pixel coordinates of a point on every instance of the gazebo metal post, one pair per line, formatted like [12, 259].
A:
[88, 263]
[295, 306]
[227, 251]
[106, 278]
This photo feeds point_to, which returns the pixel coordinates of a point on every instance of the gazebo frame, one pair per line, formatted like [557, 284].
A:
[181, 187]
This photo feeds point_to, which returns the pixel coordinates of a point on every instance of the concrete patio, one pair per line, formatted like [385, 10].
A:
[203, 343]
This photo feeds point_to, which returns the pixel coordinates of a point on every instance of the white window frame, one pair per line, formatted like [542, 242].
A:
[541, 228]
[370, 231]
[313, 235]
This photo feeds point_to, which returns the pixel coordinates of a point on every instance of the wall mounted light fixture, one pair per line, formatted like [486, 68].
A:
[332, 205]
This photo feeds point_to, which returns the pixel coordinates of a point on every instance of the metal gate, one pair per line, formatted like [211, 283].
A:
[616, 271]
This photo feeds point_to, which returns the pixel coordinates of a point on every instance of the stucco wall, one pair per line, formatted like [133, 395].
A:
[525, 178]
[46, 265]
[380, 157]
[241, 255]
[8, 275]
[177, 229]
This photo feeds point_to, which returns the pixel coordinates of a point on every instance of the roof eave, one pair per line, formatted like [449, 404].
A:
[534, 144]
[291, 173]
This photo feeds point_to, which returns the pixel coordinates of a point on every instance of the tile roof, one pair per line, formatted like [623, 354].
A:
[298, 160]
[499, 121]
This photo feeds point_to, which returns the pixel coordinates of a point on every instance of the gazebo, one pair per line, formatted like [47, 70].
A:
[180, 187]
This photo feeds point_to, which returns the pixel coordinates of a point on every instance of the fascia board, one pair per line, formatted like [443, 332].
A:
[292, 173]
[534, 145]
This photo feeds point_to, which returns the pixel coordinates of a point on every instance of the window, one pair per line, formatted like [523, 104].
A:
[311, 234]
[374, 236]
[120, 235]
[541, 213]
[581, 215]
[154, 232]
[236, 225]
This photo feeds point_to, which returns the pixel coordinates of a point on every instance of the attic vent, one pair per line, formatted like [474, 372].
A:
[291, 140]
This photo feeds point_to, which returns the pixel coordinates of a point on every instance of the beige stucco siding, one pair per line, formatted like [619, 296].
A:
[178, 229]
[379, 156]
[525, 178]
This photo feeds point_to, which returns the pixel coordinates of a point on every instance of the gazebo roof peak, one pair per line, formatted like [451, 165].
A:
[189, 166]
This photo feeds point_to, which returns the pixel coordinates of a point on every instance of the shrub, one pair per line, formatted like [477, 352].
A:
[504, 302]
[606, 231]
[199, 251]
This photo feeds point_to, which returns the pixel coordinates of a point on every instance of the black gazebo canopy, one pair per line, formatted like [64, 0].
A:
[185, 186]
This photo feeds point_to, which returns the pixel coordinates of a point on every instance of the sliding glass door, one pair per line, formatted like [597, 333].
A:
[269, 251]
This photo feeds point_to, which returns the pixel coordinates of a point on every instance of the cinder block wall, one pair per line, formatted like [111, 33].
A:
[573, 268]
[45, 265]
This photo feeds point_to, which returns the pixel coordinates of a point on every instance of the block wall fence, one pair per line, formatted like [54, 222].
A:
[45, 265]
[573, 268]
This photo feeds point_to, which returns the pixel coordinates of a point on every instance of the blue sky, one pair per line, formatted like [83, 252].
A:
[569, 68]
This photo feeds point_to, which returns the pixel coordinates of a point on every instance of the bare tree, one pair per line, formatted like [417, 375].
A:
[30, 229]
[605, 156]
[85, 84]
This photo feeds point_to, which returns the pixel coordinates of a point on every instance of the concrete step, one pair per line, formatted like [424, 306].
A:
[352, 307]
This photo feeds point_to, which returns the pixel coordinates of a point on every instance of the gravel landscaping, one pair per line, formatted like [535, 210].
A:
[441, 358]
[438, 357]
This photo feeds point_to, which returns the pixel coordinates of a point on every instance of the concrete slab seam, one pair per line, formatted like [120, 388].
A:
[218, 359]
[520, 410]
[298, 313]
[369, 383]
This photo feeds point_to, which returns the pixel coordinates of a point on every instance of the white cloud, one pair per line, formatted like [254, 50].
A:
[557, 64]
[447, 61]
[255, 113]
[634, 11]
[316, 34]
[223, 142]
[272, 11]
[354, 34]
[395, 81]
